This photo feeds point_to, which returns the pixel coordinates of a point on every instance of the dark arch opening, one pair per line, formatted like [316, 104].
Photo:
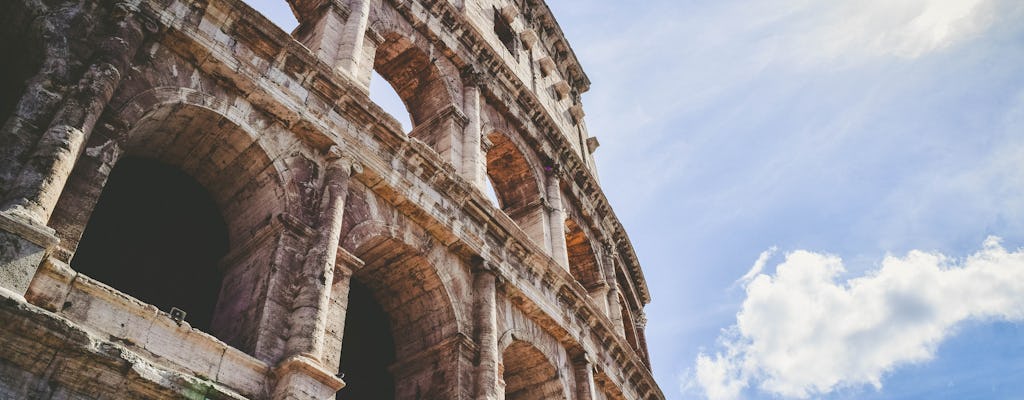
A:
[367, 348]
[157, 235]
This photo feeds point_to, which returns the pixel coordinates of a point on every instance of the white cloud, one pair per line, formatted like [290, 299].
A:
[905, 28]
[758, 266]
[800, 333]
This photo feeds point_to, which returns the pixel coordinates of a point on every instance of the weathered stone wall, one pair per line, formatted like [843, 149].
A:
[539, 296]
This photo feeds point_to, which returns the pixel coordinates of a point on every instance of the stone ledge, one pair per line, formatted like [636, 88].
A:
[302, 377]
[56, 355]
[40, 235]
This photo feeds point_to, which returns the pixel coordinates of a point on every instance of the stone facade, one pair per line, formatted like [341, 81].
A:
[332, 219]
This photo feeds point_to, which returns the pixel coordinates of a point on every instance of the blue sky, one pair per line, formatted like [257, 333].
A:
[875, 145]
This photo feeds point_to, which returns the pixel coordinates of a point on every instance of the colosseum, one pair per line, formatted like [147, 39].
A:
[197, 204]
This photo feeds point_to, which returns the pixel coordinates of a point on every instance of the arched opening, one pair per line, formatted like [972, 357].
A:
[244, 188]
[416, 306]
[413, 76]
[490, 192]
[157, 235]
[582, 261]
[408, 289]
[527, 374]
[382, 93]
[416, 78]
[628, 325]
[510, 173]
[367, 349]
[516, 187]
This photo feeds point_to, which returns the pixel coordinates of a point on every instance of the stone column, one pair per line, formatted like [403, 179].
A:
[308, 321]
[85, 185]
[323, 25]
[473, 168]
[37, 188]
[556, 219]
[42, 92]
[486, 324]
[614, 308]
[583, 368]
[42, 179]
[302, 374]
[641, 336]
[352, 37]
[344, 267]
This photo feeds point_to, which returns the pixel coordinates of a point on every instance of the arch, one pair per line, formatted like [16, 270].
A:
[416, 281]
[222, 155]
[628, 325]
[582, 257]
[384, 95]
[161, 113]
[531, 335]
[368, 347]
[147, 110]
[206, 138]
[513, 175]
[412, 72]
[368, 216]
[517, 186]
[147, 214]
[528, 373]
[406, 285]
[427, 82]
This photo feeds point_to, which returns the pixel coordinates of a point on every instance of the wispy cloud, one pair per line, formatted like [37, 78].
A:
[729, 63]
[800, 333]
[854, 31]
[758, 266]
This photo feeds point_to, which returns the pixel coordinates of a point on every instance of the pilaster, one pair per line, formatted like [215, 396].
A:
[310, 318]
[322, 27]
[34, 193]
[556, 218]
[583, 369]
[353, 36]
[41, 181]
[345, 265]
[614, 308]
[308, 321]
[474, 165]
[486, 327]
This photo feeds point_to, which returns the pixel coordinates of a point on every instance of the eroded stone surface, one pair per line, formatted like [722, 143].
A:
[537, 297]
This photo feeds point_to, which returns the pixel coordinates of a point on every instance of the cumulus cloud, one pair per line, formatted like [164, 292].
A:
[801, 332]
